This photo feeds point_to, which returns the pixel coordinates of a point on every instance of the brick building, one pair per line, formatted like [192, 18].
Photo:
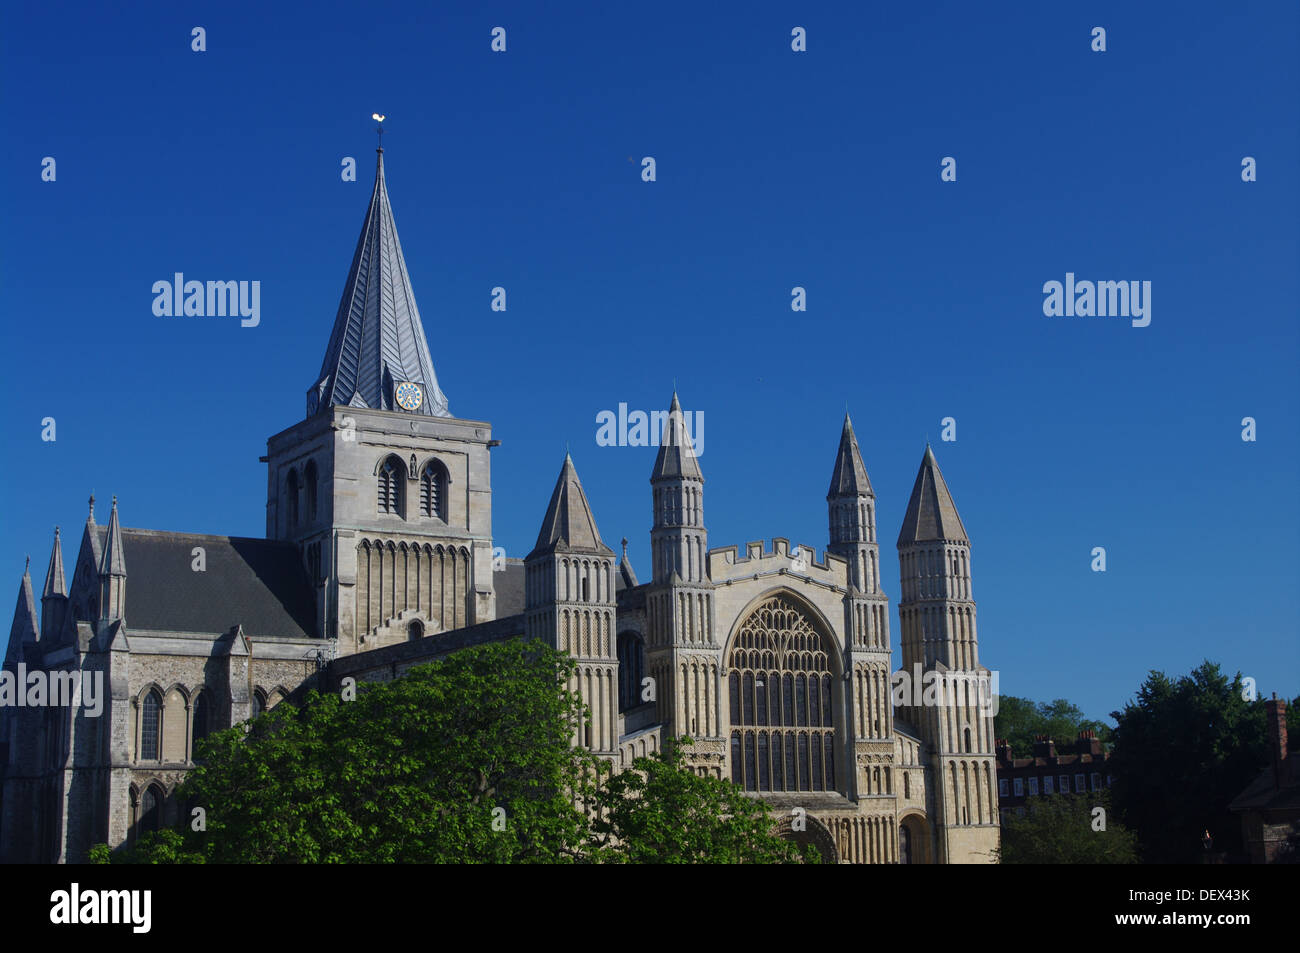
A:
[1076, 768]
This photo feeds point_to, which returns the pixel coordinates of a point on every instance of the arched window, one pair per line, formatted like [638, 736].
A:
[391, 477]
[201, 716]
[415, 631]
[258, 703]
[968, 747]
[309, 481]
[433, 490]
[291, 498]
[150, 810]
[631, 669]
[779, 634]
[151, 727]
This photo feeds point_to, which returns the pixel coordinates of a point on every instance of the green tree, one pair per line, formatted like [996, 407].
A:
[468, 759]
[1184, 748]
[658, 812]
[1063, 829]
[1019, 721]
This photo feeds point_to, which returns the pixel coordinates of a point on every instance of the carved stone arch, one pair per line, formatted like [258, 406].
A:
[830, 639]
[814, 833]
[916, 848]
[275, 696]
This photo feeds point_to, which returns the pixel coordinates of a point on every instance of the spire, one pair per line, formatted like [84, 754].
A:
[113, 562]
[931, 513]
[676, 458]
[378, 341]
[849, 478]
[25, 629]
[568, 523]
[55, 584]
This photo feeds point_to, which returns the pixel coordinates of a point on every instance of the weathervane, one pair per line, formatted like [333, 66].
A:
[380, 128]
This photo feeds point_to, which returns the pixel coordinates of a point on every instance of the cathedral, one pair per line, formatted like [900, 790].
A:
[378, 556]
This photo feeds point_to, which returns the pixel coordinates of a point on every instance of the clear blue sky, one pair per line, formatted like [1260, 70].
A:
[775, 169]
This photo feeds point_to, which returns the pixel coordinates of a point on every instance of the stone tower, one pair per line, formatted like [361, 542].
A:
[569, 605]
[683, 646]
[386, 494]
[852, 510]
[955, 717]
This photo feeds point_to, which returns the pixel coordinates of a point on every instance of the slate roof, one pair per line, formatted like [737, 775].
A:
[931, 513]
[25, 629]
[1267, 793]
[849, 478]
[259, 584]
[569, 523]
[676, 458]
[509, 587]
[378, 340]
[55, 583]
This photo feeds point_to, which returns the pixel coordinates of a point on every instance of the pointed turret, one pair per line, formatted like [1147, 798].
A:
[849, 478]
[931, 513]
[112, 571]
[569, 523]
[54, 597]
[676, 458]
[23, 633]
[378, 341]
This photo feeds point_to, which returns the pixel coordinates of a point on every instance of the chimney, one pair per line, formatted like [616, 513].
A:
[1275, 709]
[1088, 743]
[1003, 751]
[1044, 747]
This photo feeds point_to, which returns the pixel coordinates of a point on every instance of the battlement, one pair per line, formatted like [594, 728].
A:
[761, 559]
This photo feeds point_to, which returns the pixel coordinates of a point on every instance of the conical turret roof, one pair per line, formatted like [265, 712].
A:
[25, 629]
[676, 458]
[378, 340]
[849, 478]
[931, 513]
[569, 523]
[55, 583]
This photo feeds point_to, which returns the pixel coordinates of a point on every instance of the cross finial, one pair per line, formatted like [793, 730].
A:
[92, 506]
[379, 129]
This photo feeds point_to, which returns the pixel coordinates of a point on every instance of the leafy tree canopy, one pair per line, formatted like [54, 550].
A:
[1019, 721]
[1066, 829]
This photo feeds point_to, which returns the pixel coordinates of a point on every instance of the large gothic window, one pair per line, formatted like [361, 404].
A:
[390, 486]
[631, 669]
[433, 490]
[151, 727]
[782, 714]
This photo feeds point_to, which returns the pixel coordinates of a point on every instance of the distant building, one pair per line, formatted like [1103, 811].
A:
[1078, 768]
[1270, 805]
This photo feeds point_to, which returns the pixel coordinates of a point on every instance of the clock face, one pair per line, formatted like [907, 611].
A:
[408, 395]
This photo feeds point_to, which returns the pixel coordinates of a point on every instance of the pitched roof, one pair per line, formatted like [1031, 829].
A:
[26, 628]
[931, 513]
[259, 584]
[676, 458]
[378, 340]
[55, 583]
[849, 478]
[569, 523]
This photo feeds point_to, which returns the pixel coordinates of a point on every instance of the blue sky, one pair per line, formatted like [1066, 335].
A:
[775, 169]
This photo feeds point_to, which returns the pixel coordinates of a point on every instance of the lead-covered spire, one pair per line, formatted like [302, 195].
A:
[931, 513]
[378, 341]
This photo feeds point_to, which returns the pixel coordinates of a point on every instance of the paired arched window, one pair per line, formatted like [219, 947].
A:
[781, 702]
[433, 490]
[309, 486]
[151, 727]
[291, 498]
[391, 477]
